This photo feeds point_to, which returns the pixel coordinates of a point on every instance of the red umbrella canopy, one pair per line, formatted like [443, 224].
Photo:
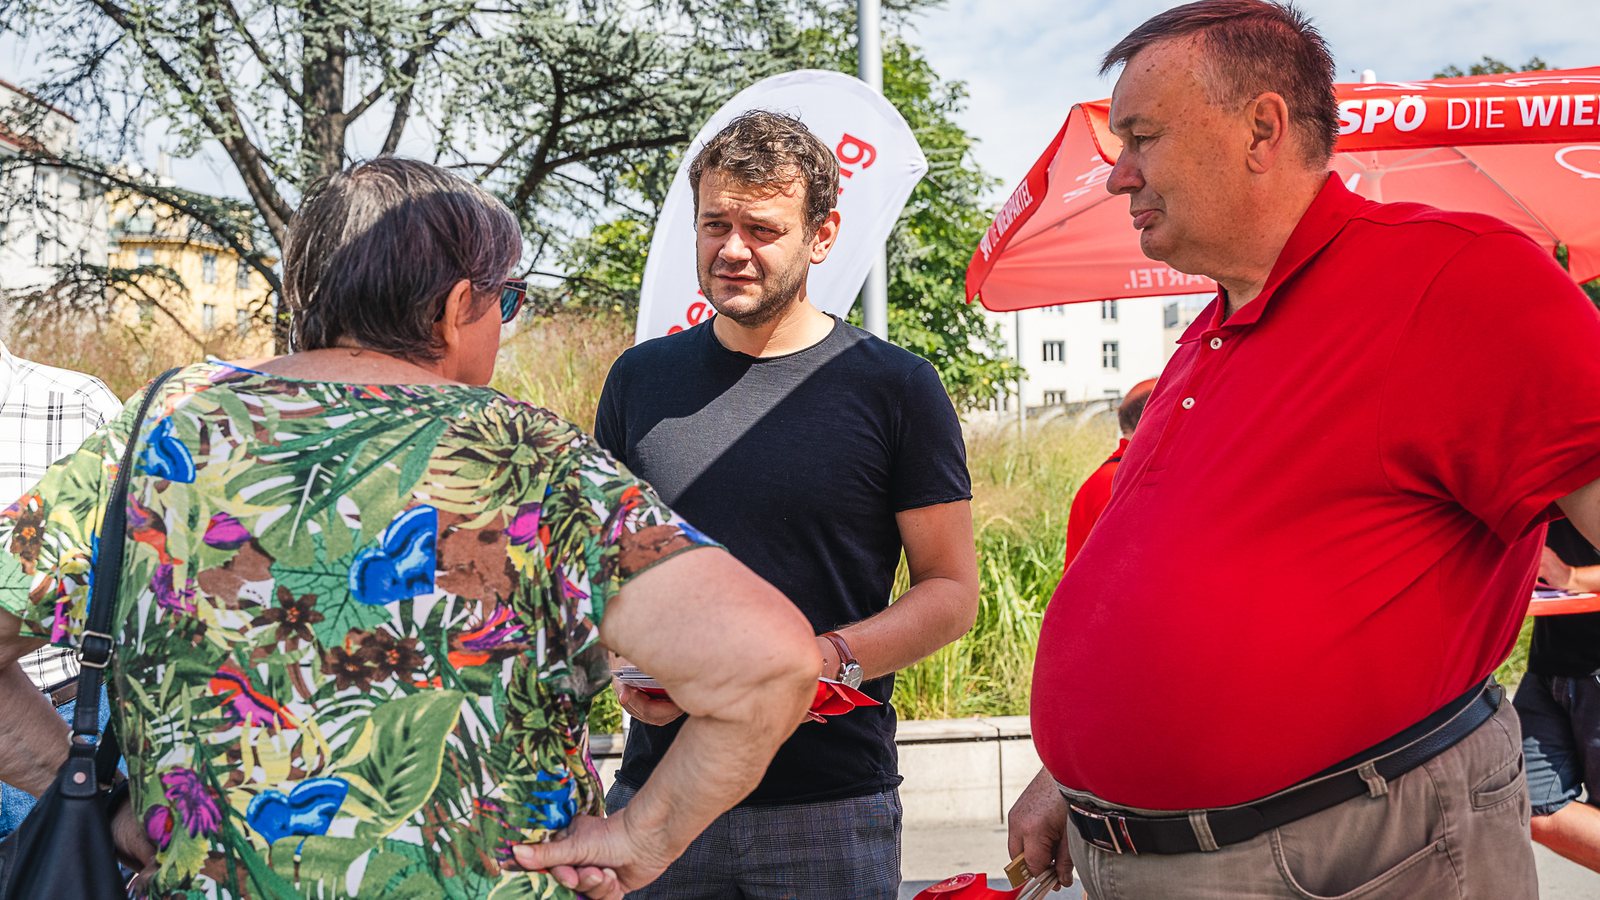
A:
[1523, 147]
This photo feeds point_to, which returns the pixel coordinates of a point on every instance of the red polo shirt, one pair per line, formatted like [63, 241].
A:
[1327, 524]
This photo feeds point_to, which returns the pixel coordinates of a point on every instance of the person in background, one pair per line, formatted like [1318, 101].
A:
[45, 413]
[366, 599]
[1558, 703]
[816, 452]
[1095, 492]
[1269, 672]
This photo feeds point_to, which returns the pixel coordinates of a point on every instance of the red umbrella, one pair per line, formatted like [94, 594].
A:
[1523, 147]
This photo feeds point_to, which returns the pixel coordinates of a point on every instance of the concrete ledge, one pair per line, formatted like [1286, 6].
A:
[957, 771]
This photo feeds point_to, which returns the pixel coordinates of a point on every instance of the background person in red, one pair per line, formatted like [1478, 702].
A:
[1267, 675]
[1095, 491]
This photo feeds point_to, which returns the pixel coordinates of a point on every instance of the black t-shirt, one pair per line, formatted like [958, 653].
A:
[1570, 644]
[797, 464]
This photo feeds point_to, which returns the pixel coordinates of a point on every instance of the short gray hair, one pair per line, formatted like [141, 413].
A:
[1249, 47]
[373, 252]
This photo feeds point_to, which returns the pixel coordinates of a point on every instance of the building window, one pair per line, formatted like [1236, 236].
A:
[1110, 357]
[1055, 398]
[1054, 351]
[1108, 310]
[208, 268]
[1059, 309]
[1000, 403]
[208, 316]
[41, 248]
[42, 194]
[241, 278]
[145, 256]
[1169, 316]
[241, 321]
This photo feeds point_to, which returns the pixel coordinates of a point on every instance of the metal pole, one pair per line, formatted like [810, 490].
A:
[869, 61]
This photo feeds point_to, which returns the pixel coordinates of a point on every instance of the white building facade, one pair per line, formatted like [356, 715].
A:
[1082, 354]
[49, 216]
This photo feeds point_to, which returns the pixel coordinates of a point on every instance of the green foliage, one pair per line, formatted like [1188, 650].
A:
[1491, 66]
[1591, 287]
[561, 106]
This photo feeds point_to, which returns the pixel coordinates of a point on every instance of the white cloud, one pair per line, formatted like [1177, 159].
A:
[1026, 62]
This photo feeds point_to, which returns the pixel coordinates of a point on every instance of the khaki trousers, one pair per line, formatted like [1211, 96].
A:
[1454, 828]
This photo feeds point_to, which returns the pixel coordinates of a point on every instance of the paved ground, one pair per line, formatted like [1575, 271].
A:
[932, 854]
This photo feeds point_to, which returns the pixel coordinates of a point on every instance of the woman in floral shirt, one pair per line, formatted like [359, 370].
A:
[364, 597]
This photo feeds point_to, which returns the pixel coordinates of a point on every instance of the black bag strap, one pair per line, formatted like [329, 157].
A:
[97, 642]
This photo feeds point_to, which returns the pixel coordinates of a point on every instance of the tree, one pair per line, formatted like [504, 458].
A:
[928, 250]
[551, 103]
[1492, 66]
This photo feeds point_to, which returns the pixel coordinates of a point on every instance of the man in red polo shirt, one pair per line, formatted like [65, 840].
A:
[1267, 673]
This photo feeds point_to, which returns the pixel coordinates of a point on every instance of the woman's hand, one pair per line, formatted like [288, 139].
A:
[597, 857]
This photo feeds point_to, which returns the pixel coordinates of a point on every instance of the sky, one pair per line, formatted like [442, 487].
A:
[1025, 62]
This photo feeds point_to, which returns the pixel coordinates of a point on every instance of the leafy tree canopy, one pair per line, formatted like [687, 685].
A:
[553, 104]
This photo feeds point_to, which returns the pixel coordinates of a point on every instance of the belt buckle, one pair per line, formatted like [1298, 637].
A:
[1112, 824]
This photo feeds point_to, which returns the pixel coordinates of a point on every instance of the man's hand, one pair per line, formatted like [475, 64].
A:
[597, 857]
[645, 708]
[1037, 828]
[1553, 571]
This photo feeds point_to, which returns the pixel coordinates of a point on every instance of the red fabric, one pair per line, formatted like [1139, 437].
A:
[1340, 533]
[1090, 500]
[1489, 144]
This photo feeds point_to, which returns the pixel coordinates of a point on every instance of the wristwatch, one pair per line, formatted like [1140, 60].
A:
[850, 671]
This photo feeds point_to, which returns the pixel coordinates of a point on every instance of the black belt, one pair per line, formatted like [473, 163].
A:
[1127, 833]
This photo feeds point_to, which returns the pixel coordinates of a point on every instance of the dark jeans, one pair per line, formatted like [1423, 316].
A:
[1560, 738]
[832, 850]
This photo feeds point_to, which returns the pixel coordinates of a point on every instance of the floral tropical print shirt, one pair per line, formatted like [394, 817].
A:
[357, 627]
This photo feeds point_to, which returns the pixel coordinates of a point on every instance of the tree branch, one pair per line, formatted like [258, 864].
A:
[536, 172]
[262, 59]
[243, 152]
[617, 147]
[246, 158]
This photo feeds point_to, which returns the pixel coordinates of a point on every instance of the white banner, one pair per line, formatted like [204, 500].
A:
[879, 164]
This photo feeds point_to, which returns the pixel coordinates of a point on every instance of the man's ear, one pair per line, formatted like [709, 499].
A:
[1268, 118]
[458, 313]
[822, 241]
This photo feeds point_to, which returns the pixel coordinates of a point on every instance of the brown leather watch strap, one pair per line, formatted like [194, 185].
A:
[845, 656]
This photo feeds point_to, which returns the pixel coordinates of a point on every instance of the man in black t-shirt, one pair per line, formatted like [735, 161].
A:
[815, 453]
[1558, 703]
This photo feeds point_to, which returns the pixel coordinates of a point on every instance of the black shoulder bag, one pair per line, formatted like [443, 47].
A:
[64, 848]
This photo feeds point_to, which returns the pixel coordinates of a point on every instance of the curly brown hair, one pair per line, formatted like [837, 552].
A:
[771, 150]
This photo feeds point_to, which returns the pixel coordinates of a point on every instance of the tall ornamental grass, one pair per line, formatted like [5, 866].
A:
[125, 357]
